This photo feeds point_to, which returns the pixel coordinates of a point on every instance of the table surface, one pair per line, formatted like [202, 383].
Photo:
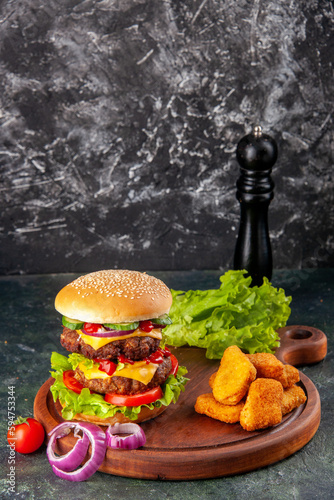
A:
[29, 332]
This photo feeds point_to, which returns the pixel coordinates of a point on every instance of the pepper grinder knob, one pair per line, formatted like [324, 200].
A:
[256, 155]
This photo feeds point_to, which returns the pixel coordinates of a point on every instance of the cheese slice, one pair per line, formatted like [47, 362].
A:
[140, 370]
[97, 342]
[91, 373]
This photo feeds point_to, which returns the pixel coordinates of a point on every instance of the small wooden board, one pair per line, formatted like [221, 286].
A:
[183, 445]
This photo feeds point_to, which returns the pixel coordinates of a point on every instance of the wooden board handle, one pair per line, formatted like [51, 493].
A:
[301, 345]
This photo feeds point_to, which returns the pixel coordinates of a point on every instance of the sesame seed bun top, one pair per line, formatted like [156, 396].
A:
[114, 296]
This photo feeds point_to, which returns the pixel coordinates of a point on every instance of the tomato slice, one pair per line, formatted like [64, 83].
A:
[146, 326]
[135, 399]
[92, 327]
[175, 365]
[71, 382]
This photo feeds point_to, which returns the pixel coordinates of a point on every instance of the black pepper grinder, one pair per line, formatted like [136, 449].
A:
[256, 155]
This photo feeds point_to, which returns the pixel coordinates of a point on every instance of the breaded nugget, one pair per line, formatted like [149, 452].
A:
[207, 405]
[293, 397]
[211, 379]
[267, 366]
[291, 376]
[263, 405]
[234, 376]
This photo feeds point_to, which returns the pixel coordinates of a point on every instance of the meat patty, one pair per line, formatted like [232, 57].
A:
[134, 348]
[123, 385]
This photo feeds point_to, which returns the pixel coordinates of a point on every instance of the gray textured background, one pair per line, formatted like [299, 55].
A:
[119, 124]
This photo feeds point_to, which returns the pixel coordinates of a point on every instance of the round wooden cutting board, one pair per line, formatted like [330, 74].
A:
[183, 445]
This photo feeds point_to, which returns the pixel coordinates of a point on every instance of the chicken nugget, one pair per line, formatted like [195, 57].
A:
[211, 379]
[234, 376]
[291, 376]
[207, 405]
[268, 366]
[293, 397]
[263, 405]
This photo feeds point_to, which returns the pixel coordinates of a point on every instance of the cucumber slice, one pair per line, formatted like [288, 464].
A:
[122, 326]
[163, 320]
[73, 324]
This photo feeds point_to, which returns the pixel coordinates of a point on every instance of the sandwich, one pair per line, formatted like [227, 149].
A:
[118, 369]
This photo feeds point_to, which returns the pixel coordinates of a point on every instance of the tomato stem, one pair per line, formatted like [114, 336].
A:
[21, 420]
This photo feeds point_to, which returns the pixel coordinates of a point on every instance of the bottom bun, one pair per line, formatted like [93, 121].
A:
[119, 418]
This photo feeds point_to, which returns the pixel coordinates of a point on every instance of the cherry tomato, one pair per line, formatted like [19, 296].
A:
[26, 435]
[146, 326]
[92, 327]
[175, 365]
[71, 382]
[134, 399]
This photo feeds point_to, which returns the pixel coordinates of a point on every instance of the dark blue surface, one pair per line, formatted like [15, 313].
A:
[30, 330]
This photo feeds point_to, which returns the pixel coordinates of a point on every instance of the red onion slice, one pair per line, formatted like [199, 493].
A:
[135, 439]
[74, 457]
[108, 333]
[98, 441]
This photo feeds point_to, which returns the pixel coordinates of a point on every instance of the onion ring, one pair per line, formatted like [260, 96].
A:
[74, 457]
[136, 436]
[98, 441]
